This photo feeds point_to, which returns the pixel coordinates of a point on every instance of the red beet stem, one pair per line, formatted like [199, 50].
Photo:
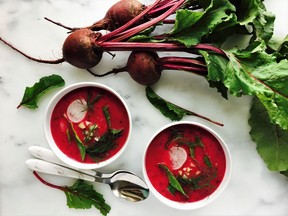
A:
[203, 117]
[56, 61]
[169, 21]
[161, 7]
[137, 46]
[196, 70]
[182, 60]
[47, 183]
[130, 23]
[133, 31]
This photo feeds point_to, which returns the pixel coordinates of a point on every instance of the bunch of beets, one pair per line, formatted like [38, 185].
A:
[84, 47]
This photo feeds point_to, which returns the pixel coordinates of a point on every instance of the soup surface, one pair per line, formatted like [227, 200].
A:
[90, 124]
[185, 163]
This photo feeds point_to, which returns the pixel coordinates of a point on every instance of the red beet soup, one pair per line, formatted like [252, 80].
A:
[90, 124]
[185, 163]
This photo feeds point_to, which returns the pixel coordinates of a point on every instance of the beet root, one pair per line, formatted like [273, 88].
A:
[119, 14]
[143, 67]
[79, 49]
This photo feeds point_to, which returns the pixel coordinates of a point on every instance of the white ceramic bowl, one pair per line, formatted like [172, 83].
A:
[51, 141]
[200, 203]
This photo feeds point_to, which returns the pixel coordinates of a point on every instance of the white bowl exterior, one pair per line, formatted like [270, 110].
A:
[50, 138]
[207, 200]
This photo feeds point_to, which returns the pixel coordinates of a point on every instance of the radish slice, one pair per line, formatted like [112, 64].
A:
[77, 111]
[178, 156]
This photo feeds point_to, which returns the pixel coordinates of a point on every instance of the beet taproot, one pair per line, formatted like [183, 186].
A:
[79, 49]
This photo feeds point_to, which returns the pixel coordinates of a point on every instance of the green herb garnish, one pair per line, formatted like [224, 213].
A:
[76, 138]
[175, 135]
[207, 161]
[174, 184]
[91, 101]
[107, 141]
[191, 145]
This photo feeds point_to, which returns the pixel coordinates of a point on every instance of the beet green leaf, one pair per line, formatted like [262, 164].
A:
[82, 196]
[254, 73]
[32, 94]
[271, 140]
[191, 26]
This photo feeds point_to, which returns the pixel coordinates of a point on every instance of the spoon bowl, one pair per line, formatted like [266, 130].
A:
[128, 186]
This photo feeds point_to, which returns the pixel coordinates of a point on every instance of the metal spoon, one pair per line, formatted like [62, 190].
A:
[124, 184]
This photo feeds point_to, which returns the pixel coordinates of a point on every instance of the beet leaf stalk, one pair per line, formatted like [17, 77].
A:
[124, 11]
[123, 35]
[161, 46]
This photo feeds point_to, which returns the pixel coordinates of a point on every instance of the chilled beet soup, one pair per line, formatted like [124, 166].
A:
[90, 124]
[185, 163]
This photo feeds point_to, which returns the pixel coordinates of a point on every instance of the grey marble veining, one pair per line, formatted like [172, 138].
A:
[252, 190]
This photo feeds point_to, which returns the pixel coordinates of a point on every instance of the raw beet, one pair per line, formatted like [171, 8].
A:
[80, 49]
[143, 67]
[122, 12]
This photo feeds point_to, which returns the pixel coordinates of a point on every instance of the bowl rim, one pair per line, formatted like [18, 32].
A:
[51, 105]
[210, 198]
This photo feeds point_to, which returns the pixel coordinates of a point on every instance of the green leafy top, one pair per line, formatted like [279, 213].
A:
[272, 141]
[191, 26]
[257, 74]
[258, 69]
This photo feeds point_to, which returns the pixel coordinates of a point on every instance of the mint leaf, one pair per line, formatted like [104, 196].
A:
[173, 182]
[82, 196]
[271, 140]
[32, 94]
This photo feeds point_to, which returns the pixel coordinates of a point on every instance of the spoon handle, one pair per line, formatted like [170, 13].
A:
[47, 155]
[54, 169]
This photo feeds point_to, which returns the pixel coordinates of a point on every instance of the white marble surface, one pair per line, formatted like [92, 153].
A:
[253, 190]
